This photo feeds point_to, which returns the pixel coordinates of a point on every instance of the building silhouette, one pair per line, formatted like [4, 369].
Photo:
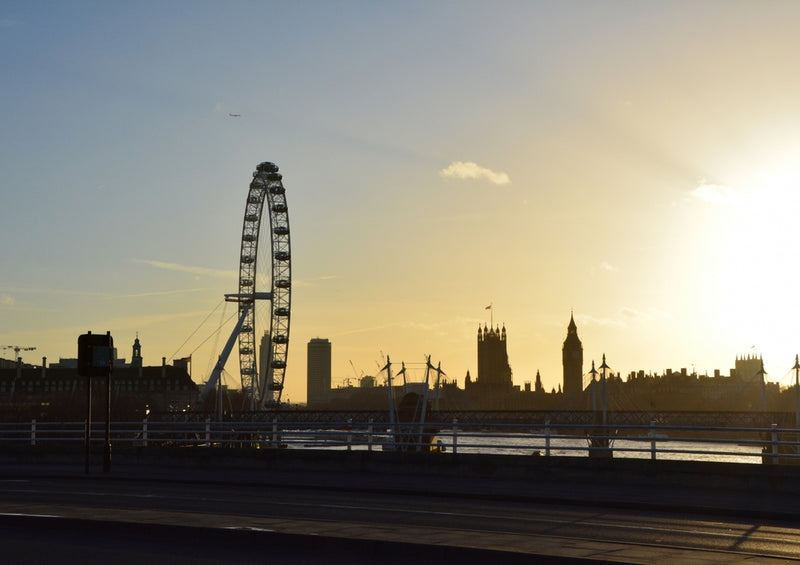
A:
[494, 372]
[748, 367]
[136, 354]
[318, 371]
[537, 387]
[57, 391]
[572, 361]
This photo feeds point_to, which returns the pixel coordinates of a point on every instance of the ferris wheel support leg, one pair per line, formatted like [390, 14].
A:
[223, 357]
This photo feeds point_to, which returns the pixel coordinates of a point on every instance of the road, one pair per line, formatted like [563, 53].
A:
[178, 517]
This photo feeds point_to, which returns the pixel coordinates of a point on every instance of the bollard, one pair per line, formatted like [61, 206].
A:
[208, 432]
[369, 435]
[547, 438]
[349, 434]
[144, 432]
[33, 432]
[774, 444]
[652, 440]
[455, 436]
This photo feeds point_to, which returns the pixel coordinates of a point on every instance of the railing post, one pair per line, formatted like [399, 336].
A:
[369, 435]
[652, 440]
[274, 438]
[208, 432]
[455, 436]
[774, 444]
[144, 432]
[547, 438]
[349, 434]
[33, 432]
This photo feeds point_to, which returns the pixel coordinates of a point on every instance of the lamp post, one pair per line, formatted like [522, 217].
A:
[107, 447]
[796, 392]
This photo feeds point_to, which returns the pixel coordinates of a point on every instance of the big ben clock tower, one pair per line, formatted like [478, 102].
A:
[572, 359]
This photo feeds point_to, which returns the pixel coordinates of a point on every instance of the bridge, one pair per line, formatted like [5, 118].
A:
[507, 433]
[579, 418]
[198, 491]
[213, 506]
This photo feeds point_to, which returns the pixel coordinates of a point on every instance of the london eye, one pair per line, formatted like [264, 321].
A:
[265, 283]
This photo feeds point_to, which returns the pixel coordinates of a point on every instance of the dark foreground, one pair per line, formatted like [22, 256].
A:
[42, 540]
[223, 506]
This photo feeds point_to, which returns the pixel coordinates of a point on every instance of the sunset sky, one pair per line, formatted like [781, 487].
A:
[634, 162]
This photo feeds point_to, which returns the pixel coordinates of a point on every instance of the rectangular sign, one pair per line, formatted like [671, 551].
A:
[95, 354]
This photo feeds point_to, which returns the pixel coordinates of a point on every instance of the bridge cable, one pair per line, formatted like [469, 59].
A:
[196, 330]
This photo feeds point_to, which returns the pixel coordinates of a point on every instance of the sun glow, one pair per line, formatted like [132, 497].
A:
[749, 276]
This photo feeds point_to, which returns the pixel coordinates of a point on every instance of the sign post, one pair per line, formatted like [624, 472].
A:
[96, 359]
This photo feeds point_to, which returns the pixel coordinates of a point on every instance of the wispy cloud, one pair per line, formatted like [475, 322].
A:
[161, 293]
[622, 318]
[367, 329]
[146, 320]
[606, 266]
[187, 268]
[606, 322]
[629, 313]
[8, 300]
[313, 281]
[715, 193]
[470, 170]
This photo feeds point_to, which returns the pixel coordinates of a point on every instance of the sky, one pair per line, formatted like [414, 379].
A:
[633, 163]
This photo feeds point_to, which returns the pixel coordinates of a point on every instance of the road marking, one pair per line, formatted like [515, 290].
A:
[18, 514]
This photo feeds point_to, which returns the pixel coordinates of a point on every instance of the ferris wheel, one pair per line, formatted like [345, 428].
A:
[265, 285]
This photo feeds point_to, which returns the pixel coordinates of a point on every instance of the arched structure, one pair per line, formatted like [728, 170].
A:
[265, 283]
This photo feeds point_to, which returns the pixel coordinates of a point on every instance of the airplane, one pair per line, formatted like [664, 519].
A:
[235, 115]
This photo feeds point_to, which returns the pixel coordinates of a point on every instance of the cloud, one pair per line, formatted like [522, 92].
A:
[607, 322]
[312, 282]
[715, 193]
[622, 318]
[470, 170]
[162, 293]
[633, 314]
[6, 300]
[606, 266]
[367, 329]
[188, 268]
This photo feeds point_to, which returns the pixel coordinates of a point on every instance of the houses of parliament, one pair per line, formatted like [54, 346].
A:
[492, 388]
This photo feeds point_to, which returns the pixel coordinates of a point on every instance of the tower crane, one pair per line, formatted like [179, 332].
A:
[17, 349]
[355, 372]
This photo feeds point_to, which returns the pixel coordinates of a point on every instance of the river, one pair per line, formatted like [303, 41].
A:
[665, 448]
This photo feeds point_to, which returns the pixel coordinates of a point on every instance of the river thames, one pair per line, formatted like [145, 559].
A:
[664, 448]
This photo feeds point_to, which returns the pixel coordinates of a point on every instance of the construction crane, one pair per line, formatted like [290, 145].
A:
[355, 372]
[17, 349]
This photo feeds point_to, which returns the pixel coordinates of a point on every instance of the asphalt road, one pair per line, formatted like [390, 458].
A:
[176, 516]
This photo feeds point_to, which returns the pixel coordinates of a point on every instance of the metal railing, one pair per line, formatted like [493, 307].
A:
[722, 444]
